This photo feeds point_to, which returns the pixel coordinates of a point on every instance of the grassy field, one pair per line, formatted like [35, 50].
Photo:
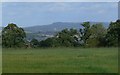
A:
[60, 60]
[0, 59]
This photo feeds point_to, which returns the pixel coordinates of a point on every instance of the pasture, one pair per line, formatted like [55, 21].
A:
[60, 60]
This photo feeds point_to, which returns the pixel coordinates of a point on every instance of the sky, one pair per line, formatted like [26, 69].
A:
[26, 14]
[119, 10]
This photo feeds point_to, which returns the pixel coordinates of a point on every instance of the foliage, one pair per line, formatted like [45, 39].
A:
[113, 34]
[95, 35]
[92, 35]
[34, 43]
[66, 38]
[98, 33]
[47, 43]
[13, 36]
[85, 32]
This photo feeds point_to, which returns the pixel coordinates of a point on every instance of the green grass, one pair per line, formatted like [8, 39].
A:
[0, 59]
[61, 60]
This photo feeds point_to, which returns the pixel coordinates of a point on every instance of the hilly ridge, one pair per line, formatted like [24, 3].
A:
[42, 32]
[58, 26]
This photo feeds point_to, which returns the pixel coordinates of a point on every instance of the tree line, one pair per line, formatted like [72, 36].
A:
[95, 35]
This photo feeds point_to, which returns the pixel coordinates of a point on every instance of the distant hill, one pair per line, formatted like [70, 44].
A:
[58, 26]
[44, 31]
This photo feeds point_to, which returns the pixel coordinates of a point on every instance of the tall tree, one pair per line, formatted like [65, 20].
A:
[13, 36]
[97, 37]
[113, 33]
[85, 32]
[92, 35]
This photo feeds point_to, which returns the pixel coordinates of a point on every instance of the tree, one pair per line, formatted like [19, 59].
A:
[92, 35]
[65, 38]
[85, 32]
[49, 42]
[68, 37]
[113, 34]
[34, 43]
[13, 36]
[97, 37]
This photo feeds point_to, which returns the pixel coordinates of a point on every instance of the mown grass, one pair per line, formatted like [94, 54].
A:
[0, 59]
[60, 60]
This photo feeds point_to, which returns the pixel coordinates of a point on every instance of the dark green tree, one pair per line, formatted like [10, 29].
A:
[65, 38]
[97, 37]
[49, 42]
[85, 33]
[13, 36]
[92, 35]
[113, 34]
[68, 37]
[34, 43]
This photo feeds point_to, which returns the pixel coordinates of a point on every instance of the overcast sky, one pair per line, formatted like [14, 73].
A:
[42, 13]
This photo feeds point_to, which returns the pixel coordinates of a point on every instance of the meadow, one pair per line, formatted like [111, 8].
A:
[0, 59]
[60, 60]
